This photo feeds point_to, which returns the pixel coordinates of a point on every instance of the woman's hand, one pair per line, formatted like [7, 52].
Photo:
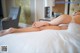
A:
[40, 24]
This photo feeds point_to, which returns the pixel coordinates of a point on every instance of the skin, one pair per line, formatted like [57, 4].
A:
[77, 19]
[38, 26]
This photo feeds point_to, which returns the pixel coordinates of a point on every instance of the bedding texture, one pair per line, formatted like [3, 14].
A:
[46, 41]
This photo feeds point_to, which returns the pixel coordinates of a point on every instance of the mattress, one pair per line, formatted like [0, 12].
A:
[46, 41]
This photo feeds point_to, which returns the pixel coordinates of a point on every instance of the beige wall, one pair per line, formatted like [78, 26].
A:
[59, 7]
[6, 6]
[9, 4]
[75, 6]
[33, 9]
[25, 9]
[39, 9]
[25, 16]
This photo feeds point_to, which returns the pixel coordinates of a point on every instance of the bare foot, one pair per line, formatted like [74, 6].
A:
[1, 32]
[7, 31]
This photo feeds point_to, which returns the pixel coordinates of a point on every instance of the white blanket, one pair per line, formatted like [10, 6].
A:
[46, 41]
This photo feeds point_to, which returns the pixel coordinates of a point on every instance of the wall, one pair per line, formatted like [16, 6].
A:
[1, 10]
[39, 9]
[59, 7]
[66, 7]
[25, 16]
[74, 6]
[6, 4]
[36, 13]
[9, 4]
[33, 10]
[25, 9]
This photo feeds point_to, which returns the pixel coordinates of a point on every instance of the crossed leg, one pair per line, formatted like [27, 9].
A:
[15, 30]
[28, 29]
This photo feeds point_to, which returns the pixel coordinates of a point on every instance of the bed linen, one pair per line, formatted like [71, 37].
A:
[46, 41]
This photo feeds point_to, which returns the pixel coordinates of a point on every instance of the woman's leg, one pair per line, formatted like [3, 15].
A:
[51, 27]
[28, 29]
[15, 30]
[3, 32]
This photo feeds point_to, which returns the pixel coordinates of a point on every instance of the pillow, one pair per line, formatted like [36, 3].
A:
[74, 28]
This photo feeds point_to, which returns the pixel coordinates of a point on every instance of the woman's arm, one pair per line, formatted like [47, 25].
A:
[40, 24]
[54, 22]
[62, 19]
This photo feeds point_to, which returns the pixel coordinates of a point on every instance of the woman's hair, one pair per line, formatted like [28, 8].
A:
[77, 12]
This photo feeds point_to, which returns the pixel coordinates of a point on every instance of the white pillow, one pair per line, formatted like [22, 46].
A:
[74, 28]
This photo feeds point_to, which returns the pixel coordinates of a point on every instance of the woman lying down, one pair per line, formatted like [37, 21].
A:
[54, 24]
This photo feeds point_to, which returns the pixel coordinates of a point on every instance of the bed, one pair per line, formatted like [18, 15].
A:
[46, 41]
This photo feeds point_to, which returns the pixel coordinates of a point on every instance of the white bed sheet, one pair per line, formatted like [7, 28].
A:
[46, 41]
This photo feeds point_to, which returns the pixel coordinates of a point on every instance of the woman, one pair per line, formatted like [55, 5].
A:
[38, 26]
